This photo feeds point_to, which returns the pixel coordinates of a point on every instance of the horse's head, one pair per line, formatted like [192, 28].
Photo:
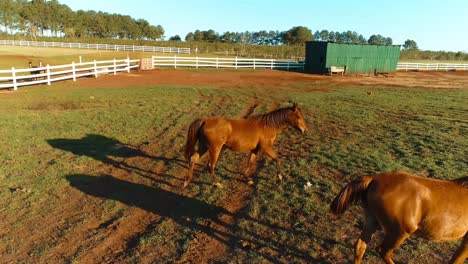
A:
[296, 118]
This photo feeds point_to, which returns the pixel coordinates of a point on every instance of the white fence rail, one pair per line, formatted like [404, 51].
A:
[95, 46]
[411, 66]
[15, 78]
[205, 62]
[236, 63]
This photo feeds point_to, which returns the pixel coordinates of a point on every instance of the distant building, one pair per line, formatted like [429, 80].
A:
[356, 58]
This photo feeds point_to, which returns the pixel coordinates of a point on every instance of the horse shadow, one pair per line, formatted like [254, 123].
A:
[186, 211]
[111, 151]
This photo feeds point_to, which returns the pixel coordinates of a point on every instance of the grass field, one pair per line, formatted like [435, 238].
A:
[18, 57]
[92, 174]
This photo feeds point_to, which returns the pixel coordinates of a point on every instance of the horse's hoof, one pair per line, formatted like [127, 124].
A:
[185, 184]
[280, 177]
[218, 185]
[250, 182]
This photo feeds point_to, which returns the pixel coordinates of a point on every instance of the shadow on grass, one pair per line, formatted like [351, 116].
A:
[108, 150]
[183, 210]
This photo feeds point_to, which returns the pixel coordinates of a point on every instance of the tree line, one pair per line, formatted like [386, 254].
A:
[41, 17]
[49, 18]
[294, 36]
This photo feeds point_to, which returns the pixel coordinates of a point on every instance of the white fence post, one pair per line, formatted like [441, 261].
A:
[152, 62]
[175, 61]
[236, 62]
[73, 71]
[217, 62]
[254, 63]
[13, 75]
[128, 65]
[196, 62]
[95, 69]
[48, 74]
[115, 67]
[272, 64]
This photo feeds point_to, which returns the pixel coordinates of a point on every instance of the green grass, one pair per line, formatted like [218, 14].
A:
[18, 57]
[50, 133]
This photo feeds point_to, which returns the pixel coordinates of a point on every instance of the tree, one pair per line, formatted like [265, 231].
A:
[410, 45]
[376, 40]
[297, 36]
[8, 11]
[175, 38]
[190, 37]
[324, 35]
[332, 36]
[388, 41]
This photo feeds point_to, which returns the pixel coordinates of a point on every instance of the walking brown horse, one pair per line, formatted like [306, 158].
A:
[255, 134]
[403, 205]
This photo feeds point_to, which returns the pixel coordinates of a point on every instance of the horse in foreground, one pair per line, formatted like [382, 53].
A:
[403, 205]
[255, 134]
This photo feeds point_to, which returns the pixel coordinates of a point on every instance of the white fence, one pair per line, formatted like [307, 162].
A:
[15, 78]
[94, 46]
[236, 63]
[410, 66]
[205, 62]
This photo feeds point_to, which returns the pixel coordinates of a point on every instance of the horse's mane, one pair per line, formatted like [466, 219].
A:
[463, 181]
[274, 119]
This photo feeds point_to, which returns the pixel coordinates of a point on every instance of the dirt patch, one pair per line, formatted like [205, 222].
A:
[279, 79]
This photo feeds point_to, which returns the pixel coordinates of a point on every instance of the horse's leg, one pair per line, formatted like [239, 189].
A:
[214, 155]
[269, 151]
[251, 159]
[393, 239]
[462, 252]
[193, 160]
[370, 226]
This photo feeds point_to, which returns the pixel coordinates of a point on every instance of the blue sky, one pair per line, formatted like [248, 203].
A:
[434, 25]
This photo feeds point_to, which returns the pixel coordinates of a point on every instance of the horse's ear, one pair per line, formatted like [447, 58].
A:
[294, 106]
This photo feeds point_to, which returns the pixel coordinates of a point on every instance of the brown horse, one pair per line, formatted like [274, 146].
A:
[404, 204]
[255, 134]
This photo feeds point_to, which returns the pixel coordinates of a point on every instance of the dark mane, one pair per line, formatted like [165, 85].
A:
[275, 119]
[462, 181]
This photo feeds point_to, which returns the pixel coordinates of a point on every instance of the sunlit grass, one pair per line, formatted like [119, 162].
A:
[350, 134]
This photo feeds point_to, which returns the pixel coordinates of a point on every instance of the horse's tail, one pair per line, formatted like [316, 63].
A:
[351, 193]
[192, 138]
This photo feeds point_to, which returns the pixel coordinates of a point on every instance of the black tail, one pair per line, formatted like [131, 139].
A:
[192, 138]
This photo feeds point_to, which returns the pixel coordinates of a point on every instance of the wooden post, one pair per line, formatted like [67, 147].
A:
[13, 75]
[73, 71]
[48, 74]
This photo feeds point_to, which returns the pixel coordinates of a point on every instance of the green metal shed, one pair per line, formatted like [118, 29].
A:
[357, 58]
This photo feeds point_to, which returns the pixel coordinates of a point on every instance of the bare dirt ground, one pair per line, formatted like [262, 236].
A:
[280, 79]
[112, 240]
